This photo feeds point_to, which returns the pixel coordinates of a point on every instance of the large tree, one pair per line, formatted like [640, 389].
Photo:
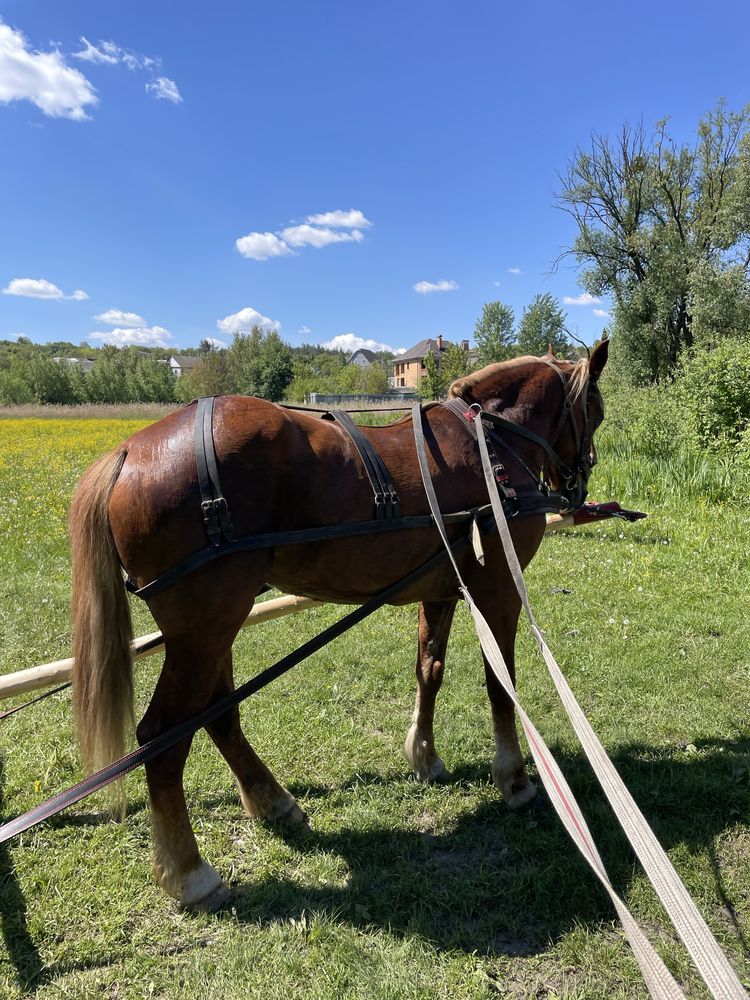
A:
[543, 326]
[665, 230]
[493, 333]
[260, 364]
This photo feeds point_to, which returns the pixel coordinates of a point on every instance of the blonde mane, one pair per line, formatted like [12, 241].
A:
[577, 380]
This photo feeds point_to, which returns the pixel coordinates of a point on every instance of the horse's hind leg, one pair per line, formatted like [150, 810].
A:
[262, 796]
[177, 863]
[435, 621]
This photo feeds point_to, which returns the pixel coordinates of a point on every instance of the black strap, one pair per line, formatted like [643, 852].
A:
[214, 506]
[387, 503]
[154, 747]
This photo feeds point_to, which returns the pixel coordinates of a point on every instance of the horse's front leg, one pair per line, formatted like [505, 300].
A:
[434, 627]
[508, 770]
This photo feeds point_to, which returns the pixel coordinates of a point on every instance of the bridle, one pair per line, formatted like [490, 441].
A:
[573, 476]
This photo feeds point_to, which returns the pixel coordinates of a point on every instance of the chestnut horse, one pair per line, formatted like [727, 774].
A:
[138, 509]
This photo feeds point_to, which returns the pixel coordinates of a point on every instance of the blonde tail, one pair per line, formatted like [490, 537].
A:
[102, 630]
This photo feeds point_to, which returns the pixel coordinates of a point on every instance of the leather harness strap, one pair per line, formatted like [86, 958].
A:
[214, 507]
[387, 503]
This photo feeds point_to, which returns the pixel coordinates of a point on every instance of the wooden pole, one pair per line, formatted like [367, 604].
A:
[59, 671]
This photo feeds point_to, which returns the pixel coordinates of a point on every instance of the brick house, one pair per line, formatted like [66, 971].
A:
[409, 368]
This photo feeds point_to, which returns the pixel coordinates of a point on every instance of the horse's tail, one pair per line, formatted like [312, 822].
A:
[102, 630]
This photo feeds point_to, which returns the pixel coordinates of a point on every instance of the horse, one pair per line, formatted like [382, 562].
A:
[138, 510]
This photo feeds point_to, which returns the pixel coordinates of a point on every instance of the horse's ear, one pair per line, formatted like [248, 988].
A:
[551, 351]
[598, 360]
[460, 389]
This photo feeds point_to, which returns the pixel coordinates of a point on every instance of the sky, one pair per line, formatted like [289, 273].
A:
[349, 174]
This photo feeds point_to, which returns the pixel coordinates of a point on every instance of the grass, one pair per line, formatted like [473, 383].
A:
[397, 889]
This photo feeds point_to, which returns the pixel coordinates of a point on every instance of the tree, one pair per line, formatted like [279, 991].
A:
[454, 364]
[542, 325]
[260, 364]
[432, 384]
[665, 230]
[493, 333]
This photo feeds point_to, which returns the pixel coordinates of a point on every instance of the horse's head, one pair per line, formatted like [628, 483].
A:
[554, 404]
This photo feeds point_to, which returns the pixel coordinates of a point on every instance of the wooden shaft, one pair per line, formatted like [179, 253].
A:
[59, 671]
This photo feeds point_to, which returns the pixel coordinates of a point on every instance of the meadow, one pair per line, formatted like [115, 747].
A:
[397, 889]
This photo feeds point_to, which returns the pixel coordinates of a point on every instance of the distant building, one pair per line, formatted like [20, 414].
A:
[85, 364]
[409, 368]
[181, 363]
[363, 358]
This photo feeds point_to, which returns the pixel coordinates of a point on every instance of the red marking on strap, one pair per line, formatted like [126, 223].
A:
[584, 837]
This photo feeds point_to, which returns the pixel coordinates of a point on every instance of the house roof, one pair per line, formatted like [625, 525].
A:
[184, 360]
[369, 355]
[421, 350]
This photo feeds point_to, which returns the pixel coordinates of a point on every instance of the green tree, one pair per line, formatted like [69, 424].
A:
[543, 324]
[211, 377]
[664, 229]
[493, 333]
[107, 382]
[432, 384]
[49, 380]
[260, 364]
[454, 364]
[152, 382]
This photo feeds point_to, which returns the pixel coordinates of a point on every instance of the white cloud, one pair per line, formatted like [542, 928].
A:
[515, 270]
[43, 78]
[602, 314]
[145, 336]
[426, 287]
[497, 284]
[261, 246]
[304, 235]
[164, 89]
[40, 288]
[317, 231]
[110, 54]
[353, 219]
[351, 342]
[304, 330]
[116, 317]
[244, 320]
[581, 300]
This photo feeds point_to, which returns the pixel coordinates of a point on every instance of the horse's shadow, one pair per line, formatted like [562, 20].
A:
[495, 883]
[28, 966]
[504, 883]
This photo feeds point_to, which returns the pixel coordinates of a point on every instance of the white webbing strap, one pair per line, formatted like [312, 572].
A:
[659, 980]
[705, 951]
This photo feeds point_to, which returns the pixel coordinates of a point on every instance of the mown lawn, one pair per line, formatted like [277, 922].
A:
[397, 889]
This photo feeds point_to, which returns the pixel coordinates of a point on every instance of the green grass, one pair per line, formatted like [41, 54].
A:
[397, 889]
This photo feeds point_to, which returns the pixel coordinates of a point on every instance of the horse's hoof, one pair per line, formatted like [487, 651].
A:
[521, 795]
[443, 777]
[293, 815]
[209, 904]
[539, 804]
[203, 890]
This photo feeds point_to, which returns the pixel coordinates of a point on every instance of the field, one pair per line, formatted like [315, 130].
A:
[397, 889]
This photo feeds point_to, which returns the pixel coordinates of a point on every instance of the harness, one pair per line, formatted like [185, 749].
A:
[387, 507]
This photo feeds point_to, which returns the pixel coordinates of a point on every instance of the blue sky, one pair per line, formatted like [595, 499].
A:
[398, 159]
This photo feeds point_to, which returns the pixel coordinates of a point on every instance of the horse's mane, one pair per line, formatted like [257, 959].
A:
[576, 382]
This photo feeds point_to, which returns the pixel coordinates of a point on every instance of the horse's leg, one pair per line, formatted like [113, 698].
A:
[434, 627]
[178, 866]
[508, 771]
[262, 796]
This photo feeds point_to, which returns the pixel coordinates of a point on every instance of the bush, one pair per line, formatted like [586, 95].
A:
[713, 389]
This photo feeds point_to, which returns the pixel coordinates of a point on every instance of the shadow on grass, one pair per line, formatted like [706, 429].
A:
[503, 883]
[27, 963]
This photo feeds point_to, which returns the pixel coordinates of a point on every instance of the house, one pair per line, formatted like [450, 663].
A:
[181, 363]
[363, 358]
[85, 364]
[409, 368]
